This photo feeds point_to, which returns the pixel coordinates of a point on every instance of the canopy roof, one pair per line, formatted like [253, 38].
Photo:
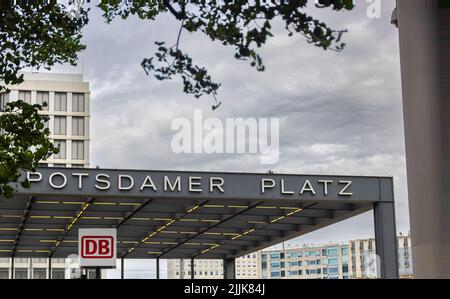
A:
[170, 214]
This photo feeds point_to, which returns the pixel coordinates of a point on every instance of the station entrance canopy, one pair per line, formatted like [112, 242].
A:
[171, 214]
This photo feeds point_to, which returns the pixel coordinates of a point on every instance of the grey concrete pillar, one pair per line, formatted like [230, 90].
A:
[386, 240]
[229, 269]
[424, 34]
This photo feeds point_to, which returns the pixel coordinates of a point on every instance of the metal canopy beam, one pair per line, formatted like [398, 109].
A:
[25, 217]
[76, 217]
[209, 228]
[130, 215]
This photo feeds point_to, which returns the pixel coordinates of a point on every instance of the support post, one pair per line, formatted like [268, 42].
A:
[192, 269]
[229, 269]
[157, 268]
[98, 273]
[122, 269]
[385, 232]
[49, 268]
[424, 35]
[12, 268]
[181, 268]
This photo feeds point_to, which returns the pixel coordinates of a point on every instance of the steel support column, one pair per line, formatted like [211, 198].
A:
[98, 273]
[49, 276]
[229, 269]
[157, 268]
[192, 269]
[12, 268]
[386, 240]
[122, 269]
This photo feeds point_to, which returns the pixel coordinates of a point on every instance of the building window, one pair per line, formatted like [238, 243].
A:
[333, 271]
[275, 265]
[62, 149]
[60, 125]
[275, 274]
[77, 165]
[332, 251]
[78, 102]
[77, 126]
[60, 101]
[39, 274]
[333, 261]
[4, 98]
[4, 273]
[21, 274]
[25, 95]
[41, 98]
[77, 150]
[275, 256]
[58, 274]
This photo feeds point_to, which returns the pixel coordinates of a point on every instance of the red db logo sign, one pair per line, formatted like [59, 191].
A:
[97, 247]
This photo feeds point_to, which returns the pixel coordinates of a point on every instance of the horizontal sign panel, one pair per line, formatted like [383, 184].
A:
[173, 184]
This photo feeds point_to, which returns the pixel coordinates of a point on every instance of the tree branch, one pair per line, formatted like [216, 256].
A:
[178, 15]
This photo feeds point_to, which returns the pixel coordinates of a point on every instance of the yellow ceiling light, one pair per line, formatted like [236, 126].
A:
[189, 220]
[192, 209]
[161, 219]
[214, 206]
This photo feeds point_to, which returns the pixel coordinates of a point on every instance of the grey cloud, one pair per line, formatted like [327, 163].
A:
[339, 112]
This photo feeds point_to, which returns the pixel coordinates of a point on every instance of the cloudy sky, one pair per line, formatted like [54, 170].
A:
[340, 113]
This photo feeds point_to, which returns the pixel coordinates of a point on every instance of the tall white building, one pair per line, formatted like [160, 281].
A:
[67, 96]
[68, 106]
[247, 267]
[354, 259]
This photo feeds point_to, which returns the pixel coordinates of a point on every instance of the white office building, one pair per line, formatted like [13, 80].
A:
[67, 96]
[68, 106]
